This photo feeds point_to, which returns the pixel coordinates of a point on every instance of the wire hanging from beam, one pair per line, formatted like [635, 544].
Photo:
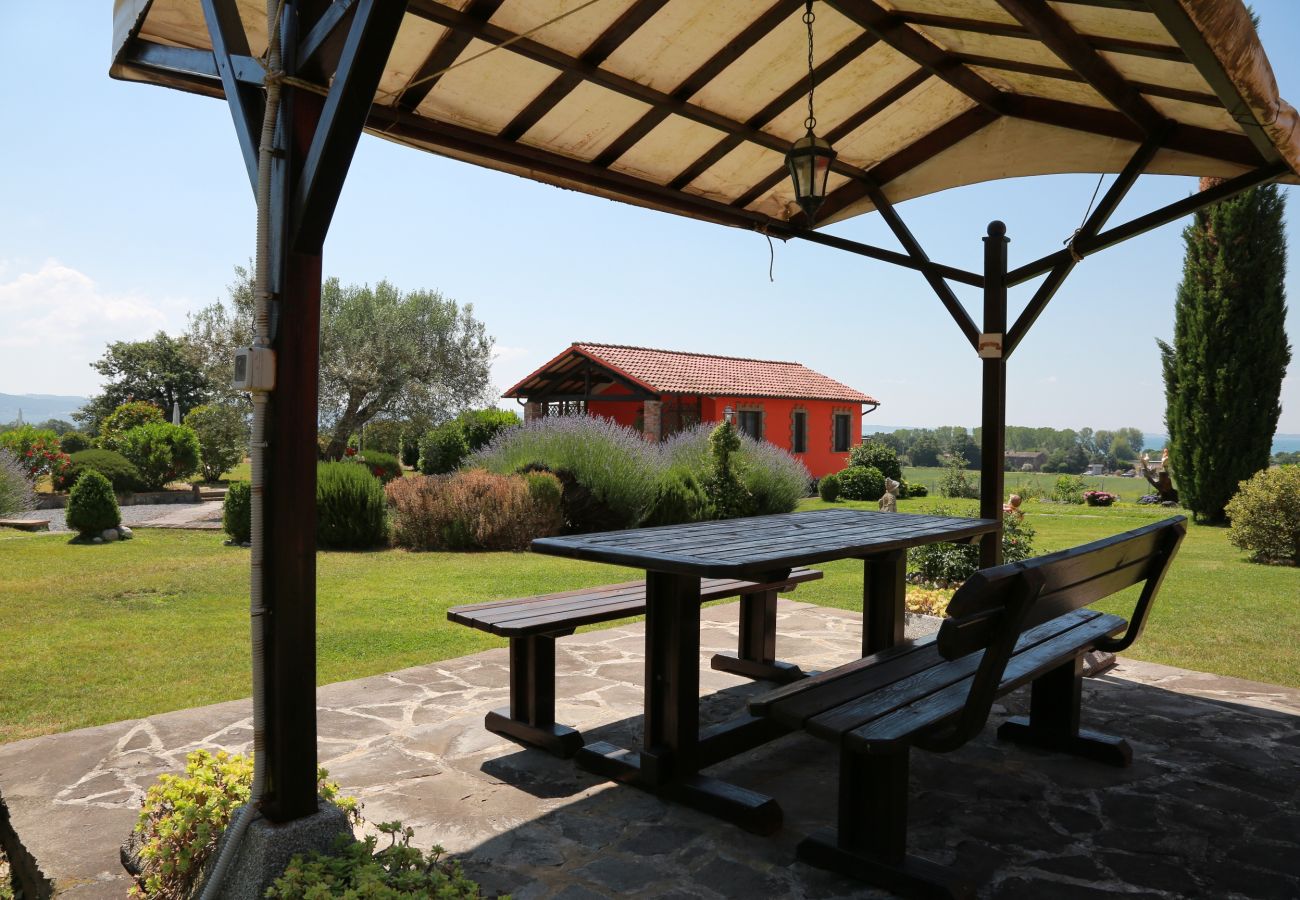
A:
[1069, 242]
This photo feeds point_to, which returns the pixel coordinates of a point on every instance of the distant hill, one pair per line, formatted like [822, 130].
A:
[39, 407]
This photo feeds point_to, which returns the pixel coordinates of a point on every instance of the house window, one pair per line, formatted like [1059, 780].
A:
[799, 431]
[843, 426]
[751, 423]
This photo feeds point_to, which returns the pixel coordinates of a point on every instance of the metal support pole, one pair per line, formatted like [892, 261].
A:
[993, 419]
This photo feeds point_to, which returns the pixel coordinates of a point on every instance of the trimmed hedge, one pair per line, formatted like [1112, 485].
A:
[162, 452]
[862, 483]
[829, 488]
[237, 512]
[119, 470]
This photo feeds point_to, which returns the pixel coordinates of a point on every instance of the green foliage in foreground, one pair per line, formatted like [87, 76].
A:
[183, 817]
[182, 596]
[357, 870]
[1265, 516]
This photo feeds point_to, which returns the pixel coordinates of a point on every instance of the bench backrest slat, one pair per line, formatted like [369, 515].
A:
[1068, 580]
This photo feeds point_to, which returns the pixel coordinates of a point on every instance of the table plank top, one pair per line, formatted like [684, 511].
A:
[745, 547]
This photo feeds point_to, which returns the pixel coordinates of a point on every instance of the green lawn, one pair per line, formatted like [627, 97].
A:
[1128, 489]
[95, 634]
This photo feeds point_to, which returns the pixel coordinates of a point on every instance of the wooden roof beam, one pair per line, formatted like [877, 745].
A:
[783, 101]
[610, 40]
[230, 41]
[1025, 68]
[1010, 30]
[663, 104]
[892, 29]
[1060, 37]
[449, 47]
[693, 83]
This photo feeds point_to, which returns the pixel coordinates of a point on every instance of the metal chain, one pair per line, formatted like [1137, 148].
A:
[808, 18]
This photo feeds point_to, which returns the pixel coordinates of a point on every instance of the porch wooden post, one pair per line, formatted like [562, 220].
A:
[993, 361]
[290, 566]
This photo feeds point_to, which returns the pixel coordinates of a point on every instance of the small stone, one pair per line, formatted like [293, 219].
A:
[125, 533]
[109, 534]
[97, 540]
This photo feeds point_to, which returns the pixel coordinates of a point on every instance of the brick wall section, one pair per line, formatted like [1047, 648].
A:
[651, 419]
[532, 411]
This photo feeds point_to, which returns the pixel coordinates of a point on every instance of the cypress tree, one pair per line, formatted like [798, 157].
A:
[1223, 373]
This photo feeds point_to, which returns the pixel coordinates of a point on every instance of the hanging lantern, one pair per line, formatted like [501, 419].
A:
[809, 158]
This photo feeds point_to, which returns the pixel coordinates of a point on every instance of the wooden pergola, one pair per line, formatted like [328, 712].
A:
[688, 107]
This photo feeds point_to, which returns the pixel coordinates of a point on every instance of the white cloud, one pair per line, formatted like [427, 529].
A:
[55, 321]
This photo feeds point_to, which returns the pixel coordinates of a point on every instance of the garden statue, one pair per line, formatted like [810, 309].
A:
[889, 502]
[1012, 508]
[1161, 478]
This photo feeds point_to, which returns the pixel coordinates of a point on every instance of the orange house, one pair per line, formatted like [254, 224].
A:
[661, 392]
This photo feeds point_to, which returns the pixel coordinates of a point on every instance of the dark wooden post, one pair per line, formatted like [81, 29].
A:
[993, 419]
[290, 567]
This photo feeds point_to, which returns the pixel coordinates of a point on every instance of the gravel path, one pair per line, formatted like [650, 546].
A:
[157, 515]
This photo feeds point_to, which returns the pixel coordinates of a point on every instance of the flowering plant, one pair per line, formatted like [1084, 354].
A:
[37, 451]
[1099, 498]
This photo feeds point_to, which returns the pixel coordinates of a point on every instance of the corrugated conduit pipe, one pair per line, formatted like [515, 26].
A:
[257, 455]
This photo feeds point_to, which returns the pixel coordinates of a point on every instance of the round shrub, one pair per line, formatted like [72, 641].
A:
[383, 466]
[160, 451]
[882, 457]
[914, 490]
[16, 494]
[862, 483]
[92, 507]
[443, 449]
[829, 488]
[1265, 516]
[222, 432]
[680, 498]
[237, 512]
[112, 465]
[351, 510]
[775, 480]
[124, 418]
[74, 442]
[1099, 498]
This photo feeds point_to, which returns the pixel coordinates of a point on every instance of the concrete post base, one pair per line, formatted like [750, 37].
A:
[266, 849]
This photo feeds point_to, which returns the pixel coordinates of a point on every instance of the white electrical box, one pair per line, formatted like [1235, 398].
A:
[254, 369]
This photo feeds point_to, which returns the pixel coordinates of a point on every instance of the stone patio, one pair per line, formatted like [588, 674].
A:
[1210, 808]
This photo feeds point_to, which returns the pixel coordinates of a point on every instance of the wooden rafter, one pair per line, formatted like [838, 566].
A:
[1010, 30]
[610, 40]
[450, 46]
[760, 28]
[783, 101]
[1060, 37]
[365, 51]
[229, 41]
[1060, 74]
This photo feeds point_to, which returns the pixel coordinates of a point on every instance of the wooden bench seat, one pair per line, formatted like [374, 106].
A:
[1007, 626]
[533, 623]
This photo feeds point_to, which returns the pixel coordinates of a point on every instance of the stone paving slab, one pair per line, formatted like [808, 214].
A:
[1210, 808]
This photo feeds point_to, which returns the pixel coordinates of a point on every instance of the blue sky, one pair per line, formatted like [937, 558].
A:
[124, 206]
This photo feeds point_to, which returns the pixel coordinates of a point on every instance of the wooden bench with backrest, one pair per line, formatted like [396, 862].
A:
[533, 623]
[1008, 625]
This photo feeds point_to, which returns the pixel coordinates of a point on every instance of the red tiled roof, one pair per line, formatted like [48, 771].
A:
[675, 372]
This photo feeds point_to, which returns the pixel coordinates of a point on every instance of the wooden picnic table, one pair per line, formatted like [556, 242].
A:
[674, 749]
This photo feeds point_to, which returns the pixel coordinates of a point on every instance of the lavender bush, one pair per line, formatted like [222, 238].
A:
[631, 478]
[15, 487]
[614, 463]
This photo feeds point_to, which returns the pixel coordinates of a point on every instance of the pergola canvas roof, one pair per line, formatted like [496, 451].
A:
[689, 106]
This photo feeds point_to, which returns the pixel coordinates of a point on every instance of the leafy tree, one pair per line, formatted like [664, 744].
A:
[383, 353]
[162, 370]
[222, 431]
[1136, 440]
[964, 446]
[925, 451]
[1223, 371]
[126, 417]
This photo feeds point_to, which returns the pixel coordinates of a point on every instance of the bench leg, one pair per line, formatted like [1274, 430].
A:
[1053, 722]
[756, 654]
[530, 718]
[871, 841]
